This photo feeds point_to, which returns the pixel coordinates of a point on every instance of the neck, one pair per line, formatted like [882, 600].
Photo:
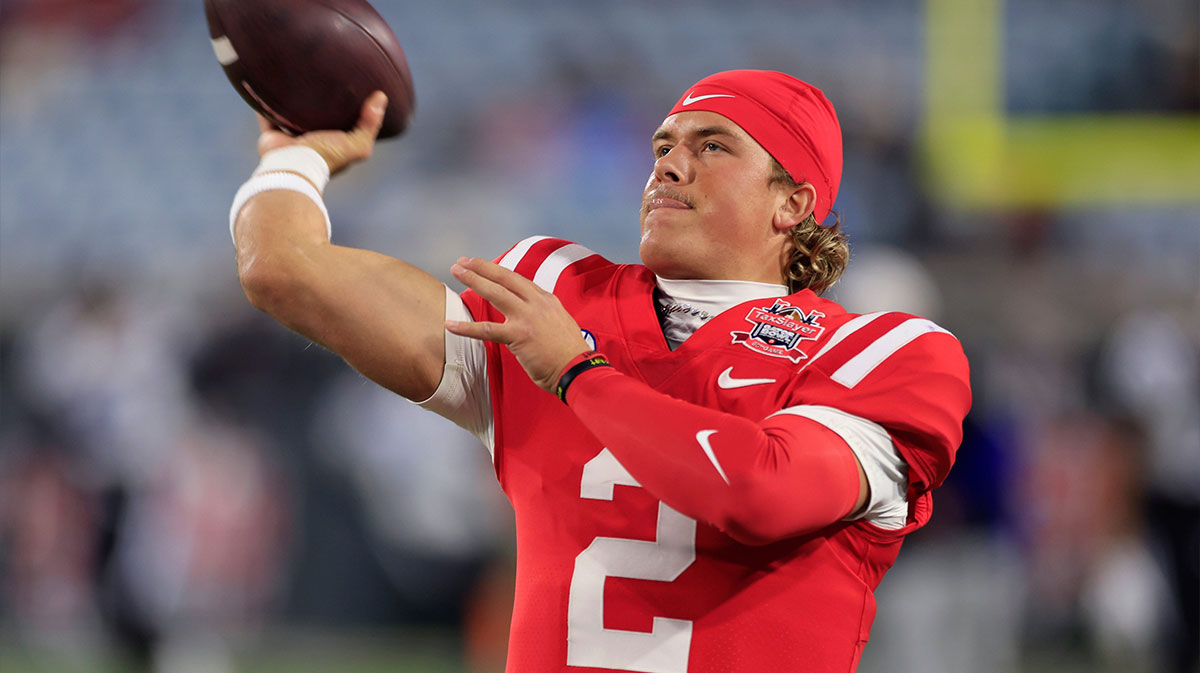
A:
[685, 305]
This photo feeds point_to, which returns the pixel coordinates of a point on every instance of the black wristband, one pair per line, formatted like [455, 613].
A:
[593, 361]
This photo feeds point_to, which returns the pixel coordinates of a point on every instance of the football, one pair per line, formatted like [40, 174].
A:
[308, 65]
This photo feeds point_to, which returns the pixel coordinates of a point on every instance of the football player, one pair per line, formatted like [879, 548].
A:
[711, 465]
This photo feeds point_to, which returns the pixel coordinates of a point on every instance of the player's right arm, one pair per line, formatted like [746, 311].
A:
[381, 314]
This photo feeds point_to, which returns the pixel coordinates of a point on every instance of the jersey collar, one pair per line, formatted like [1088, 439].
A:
[685, 305]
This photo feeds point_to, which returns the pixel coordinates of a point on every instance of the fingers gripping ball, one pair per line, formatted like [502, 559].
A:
[308, 65]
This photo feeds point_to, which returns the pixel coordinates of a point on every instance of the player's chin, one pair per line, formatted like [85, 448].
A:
[659, 255]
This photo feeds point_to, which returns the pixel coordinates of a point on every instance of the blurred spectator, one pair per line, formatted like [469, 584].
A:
[131, 505]
[201, 555]
[95, 18]
[1151, 372]
[51, 528]
[889, 279]
[1081, 509]
[434, 513]
[108, 368]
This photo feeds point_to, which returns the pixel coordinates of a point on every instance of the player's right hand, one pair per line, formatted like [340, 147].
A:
[338, 148]
[536, 329]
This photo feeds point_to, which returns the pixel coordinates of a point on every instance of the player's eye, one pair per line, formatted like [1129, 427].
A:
[712, 147]
[661, 151]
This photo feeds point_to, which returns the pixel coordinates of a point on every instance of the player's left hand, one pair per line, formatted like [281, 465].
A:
[537, 329]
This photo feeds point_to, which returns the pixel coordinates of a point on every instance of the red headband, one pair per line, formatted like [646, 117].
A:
[792, 120]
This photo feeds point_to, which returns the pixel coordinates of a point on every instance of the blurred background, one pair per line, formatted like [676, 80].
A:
[186, 487]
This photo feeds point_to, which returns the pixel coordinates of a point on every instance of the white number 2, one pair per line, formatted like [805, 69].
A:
[665, 648]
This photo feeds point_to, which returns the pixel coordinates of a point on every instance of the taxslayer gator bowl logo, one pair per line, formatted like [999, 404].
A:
[779, 330]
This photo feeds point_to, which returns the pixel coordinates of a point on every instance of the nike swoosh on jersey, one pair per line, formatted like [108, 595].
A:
[702, 438]
[726, 381]
[689, 100]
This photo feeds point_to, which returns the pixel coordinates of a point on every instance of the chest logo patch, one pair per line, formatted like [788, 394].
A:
[779, 330]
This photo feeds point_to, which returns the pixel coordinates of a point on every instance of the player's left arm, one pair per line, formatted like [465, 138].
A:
[759, 482]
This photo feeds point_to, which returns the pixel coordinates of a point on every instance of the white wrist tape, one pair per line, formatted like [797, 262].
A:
[296, 159]
[266, 182]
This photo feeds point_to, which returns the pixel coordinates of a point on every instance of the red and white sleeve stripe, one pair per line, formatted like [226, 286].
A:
[865, 342]
[544, 260]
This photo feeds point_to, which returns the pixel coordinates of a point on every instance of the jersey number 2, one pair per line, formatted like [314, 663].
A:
[665, 648]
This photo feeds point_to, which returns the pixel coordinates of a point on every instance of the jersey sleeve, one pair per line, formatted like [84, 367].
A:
[462, 395]
[465, 394]
[541, 259]
[884, 468]
[758, 482]
[911, 377]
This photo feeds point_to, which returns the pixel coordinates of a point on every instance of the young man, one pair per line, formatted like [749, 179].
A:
[711, 466]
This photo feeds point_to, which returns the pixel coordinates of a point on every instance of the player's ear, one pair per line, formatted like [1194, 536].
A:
[798, 203]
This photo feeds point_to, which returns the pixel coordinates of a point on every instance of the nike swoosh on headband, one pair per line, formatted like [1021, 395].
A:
[689, 100]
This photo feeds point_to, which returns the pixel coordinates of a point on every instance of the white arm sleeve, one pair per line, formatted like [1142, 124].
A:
[886, 471]
[463, 395]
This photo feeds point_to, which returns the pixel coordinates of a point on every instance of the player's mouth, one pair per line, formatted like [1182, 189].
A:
[661, 198]
[663, 202]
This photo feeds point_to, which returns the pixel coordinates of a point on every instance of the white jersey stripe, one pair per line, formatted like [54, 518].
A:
[844, 331]
[857, 367]
[548, 273]
[514, 256]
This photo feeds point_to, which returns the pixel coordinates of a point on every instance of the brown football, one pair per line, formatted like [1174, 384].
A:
[309, 64]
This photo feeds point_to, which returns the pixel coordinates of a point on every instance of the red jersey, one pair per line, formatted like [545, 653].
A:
[609, 577]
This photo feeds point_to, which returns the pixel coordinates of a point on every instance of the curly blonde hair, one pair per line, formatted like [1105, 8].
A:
[819, 254]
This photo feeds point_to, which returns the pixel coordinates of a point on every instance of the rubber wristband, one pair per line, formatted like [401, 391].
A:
[297, 159]
[578, 365]
[270, 181]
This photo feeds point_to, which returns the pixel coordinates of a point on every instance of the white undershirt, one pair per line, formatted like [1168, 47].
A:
[685, 305]
[462, 396]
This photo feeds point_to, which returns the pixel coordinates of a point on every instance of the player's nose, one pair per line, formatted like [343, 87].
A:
[674, 167]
